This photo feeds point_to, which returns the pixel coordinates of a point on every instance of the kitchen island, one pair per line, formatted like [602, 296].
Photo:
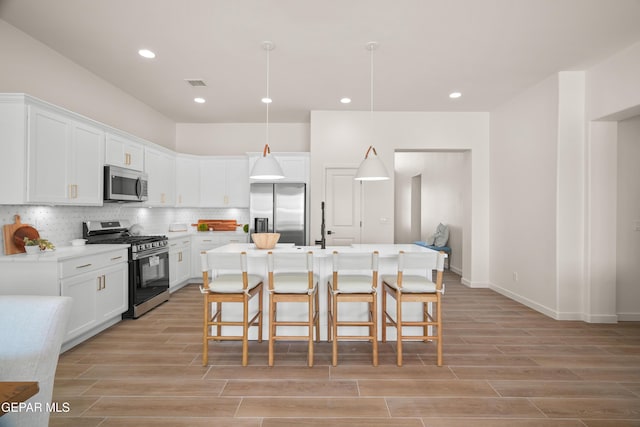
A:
[257, 264]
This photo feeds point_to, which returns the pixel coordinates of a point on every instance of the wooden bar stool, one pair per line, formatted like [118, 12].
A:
[230, 283]
[354, 279]
[413, 283]
[291, 279]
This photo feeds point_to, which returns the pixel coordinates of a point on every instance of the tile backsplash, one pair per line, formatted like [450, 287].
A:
[61, 224]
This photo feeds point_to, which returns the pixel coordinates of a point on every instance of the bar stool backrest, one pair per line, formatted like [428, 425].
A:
[297, 262]
[363, 261]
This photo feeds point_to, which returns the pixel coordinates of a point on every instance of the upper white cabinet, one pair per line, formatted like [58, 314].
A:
[187, 181]
[65, 159]
[294, 165]
[121, 151]
[224, 182]
[161, 168]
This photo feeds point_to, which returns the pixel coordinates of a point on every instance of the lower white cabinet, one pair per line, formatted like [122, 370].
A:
[97, 278]
[98, 296]
[179, 262]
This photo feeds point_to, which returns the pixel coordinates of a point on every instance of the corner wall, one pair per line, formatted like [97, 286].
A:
[628, 221]
[523, 181]
[29, 66]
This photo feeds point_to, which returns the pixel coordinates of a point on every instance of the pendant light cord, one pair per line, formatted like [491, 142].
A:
[267, 127]
[372, 48]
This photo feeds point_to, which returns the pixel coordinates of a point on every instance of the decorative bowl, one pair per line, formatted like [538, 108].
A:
[265, 240]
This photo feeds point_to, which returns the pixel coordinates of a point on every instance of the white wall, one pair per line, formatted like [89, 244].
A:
[613, 93]
[628, 221]
[613, 86]
[445, 176]
[523, 196]
[29, 66]
[240, 138]
[342, 138]
[570, 196]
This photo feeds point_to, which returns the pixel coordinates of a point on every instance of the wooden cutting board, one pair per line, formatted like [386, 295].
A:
[13, 235]
[219, 224]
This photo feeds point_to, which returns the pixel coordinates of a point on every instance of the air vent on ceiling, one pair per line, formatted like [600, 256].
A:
[195, 82]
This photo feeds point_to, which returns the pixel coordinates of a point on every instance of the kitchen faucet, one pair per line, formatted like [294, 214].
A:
[323, 241]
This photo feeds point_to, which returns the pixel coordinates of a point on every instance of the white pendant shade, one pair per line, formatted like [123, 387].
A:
[266, 167]
[371, 168]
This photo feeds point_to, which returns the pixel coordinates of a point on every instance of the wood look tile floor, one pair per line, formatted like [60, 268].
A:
[504, 365]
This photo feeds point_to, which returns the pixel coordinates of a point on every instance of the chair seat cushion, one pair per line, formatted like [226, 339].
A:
[445, 249]
[353, 284]
[293, 283]
[232, 283]
[411, 284]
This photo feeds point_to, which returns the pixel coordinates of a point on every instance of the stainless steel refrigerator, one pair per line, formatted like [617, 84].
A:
[279, 208]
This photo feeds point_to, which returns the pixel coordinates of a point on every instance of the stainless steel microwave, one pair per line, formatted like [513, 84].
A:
[124, 185]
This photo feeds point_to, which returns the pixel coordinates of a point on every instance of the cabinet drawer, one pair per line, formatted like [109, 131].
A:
[84, 264]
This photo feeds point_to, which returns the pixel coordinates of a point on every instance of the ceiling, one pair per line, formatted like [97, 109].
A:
[487, 49]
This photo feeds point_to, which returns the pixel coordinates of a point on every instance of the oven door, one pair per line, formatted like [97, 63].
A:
[150, 275]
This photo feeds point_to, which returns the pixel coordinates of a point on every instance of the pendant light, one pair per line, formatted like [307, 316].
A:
[267, 167]
[371, 168]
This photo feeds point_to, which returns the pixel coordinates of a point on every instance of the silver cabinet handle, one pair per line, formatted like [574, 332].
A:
[84, 266]
[116, 258]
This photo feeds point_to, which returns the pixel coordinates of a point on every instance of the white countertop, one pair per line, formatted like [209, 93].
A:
[384, 249]
[178, 234]
[62, 253]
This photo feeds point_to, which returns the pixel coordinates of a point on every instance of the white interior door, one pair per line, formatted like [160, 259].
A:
[342, 206]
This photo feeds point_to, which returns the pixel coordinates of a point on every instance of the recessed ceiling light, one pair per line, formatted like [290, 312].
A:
[199, 100]
[454, 95]
[267, 100]
[146, 53]
[345, 100]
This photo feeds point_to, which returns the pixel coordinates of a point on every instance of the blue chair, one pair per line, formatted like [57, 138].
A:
[445, 249]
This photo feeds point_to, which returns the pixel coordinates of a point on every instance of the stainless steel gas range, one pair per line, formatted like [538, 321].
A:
[148, 263]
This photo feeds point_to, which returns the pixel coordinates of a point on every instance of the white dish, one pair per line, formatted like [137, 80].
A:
[78, 242]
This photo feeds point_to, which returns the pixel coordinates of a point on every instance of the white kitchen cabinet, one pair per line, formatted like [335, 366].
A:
[203, 241]
[95, 276]
[295, 166]
[161, 168]
[187, 181]
[98, 296]
[224, 182]
[64, 159]
[99, 287]
[122, 151]
[179, 262]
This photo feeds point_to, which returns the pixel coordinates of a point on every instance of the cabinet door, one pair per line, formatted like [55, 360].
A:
[48, 148]
[83, 289]
[120, 151]
[224, 183]
[187, 182]
[212, 183]
[173, 264]
[87, 159]
[179, 262]
[113, 295]
[161, 168]
[237, 183]
[184, 264]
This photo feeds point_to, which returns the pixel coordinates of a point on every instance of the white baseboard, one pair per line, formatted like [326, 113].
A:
[526, 301]
[629, 317]
[471, 284]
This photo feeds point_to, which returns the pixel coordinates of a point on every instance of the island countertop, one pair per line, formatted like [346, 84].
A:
[385, 250]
